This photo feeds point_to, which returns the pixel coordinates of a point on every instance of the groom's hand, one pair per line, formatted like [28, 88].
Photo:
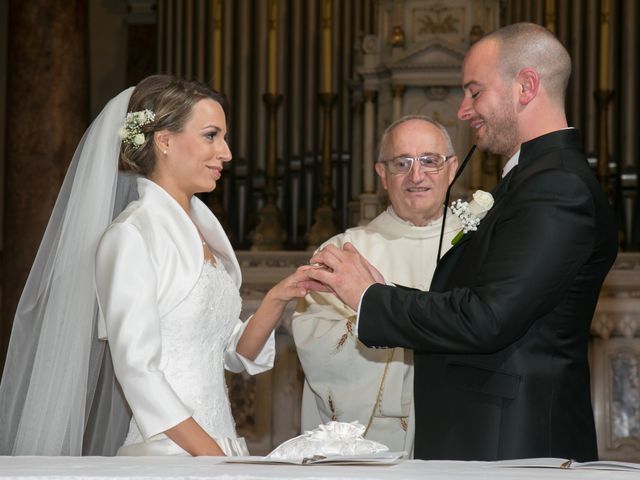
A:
[345, 271]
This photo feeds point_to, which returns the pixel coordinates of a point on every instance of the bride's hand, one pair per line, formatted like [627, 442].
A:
[296, 285]
[192, 438]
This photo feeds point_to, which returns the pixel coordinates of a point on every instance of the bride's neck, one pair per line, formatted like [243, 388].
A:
[183, 199]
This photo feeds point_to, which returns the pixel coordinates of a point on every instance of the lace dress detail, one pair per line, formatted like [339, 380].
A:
[195, 336]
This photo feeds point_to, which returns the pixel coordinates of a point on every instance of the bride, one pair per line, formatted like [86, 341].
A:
[163, 292]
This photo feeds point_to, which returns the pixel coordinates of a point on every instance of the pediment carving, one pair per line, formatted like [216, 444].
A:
[434, 53]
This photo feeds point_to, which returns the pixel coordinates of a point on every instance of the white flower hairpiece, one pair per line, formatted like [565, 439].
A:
[131, 130]
[472, 212]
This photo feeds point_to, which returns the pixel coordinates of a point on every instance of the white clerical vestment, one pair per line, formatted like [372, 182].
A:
[344, 380]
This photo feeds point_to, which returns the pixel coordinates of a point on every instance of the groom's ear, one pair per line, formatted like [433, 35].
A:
[528, 81]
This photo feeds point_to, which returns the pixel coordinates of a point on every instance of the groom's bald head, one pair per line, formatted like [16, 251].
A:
[529, 45]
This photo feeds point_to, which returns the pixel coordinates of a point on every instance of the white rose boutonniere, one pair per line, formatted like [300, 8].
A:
[470, 213]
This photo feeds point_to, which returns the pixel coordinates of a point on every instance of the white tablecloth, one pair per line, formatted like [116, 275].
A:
[155, 468]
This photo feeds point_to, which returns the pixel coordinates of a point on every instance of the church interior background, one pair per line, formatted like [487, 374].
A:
[312, 84]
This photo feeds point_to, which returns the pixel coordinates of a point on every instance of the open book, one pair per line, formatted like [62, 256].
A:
[571, 464]
[380, 458]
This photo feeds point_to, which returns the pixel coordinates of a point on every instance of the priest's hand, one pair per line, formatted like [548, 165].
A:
[345, 271]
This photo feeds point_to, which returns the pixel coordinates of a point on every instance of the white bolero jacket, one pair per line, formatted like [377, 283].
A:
[147, 262]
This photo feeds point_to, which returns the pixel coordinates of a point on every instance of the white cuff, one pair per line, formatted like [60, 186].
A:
[235, 362]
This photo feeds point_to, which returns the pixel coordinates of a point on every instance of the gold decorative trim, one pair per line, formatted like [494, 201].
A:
[379, 394]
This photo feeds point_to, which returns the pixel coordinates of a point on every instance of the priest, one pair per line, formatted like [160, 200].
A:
[345, 380]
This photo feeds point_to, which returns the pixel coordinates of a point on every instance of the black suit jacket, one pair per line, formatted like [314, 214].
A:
[500, 341]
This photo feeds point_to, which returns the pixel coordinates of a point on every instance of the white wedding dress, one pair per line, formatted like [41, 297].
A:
[196, 336]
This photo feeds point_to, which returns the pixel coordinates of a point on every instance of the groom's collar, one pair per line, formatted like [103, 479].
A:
[556, 139]
[512, 162]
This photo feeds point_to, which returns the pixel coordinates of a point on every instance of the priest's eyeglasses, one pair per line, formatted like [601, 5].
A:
[429, 163]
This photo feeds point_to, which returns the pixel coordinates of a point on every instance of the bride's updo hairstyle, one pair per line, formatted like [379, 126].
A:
[171, 101]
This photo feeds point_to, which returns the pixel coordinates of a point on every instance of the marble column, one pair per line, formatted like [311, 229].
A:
[47, 112]
[368, 147]
[356, 153]
[398, 93]
[369, 203]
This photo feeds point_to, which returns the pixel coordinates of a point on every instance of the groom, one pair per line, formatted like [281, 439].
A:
[500, 341]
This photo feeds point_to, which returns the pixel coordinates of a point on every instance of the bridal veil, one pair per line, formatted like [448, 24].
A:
[58, 394]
